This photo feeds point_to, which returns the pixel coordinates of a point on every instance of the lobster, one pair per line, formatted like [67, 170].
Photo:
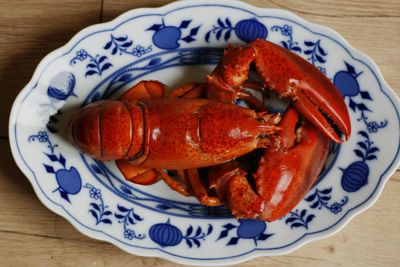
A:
[198, 125]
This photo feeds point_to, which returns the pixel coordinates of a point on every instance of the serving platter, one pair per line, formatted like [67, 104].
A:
[174, 44]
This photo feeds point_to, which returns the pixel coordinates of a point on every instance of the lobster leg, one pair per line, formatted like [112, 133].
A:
[198, 189]
[188, 90]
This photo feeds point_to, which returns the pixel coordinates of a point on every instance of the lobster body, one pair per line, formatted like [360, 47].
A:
[147, 130]
[169, 133]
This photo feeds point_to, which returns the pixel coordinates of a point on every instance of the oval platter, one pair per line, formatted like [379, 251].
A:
[174, 44]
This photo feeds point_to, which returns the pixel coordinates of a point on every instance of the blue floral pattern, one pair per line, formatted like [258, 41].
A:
[68, 179]
[124, 45]
[97, 64]
[98, 209]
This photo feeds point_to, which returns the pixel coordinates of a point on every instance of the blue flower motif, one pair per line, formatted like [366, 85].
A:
[373, 127]
[139, 51]
[42, 137]
[81, 55]
[129, 234]
[95, 193]
[286, 30]
[336, 208]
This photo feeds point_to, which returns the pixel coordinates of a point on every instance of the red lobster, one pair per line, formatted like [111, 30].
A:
[148, 132]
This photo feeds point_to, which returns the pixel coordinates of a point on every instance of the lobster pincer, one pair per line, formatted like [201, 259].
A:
[288, 74]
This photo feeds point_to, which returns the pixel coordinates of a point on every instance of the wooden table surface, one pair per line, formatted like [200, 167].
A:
[31, 235]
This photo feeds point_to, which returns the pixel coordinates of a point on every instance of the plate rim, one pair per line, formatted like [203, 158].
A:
[163, 10]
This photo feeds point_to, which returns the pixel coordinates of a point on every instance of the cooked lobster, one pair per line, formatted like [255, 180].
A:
[199, 125]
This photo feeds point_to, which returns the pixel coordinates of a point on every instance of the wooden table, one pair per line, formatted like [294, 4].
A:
[31, 235]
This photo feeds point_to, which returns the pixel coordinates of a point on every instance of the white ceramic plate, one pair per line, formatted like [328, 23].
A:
[177, 43]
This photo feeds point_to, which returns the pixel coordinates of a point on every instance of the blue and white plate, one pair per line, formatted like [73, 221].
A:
[182, 42]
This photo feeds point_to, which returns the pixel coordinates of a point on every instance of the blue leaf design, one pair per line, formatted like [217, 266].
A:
[326, 191]
[154, 27]
[198, 231]
[210, 228]
[310, 218]
[185, 24]
[94, 214]
[314, 205]
[371, 157]
[296, 225]
[127, 44]
[373, 150]
[125, 190]
[108, 45]
[296, 49]
[119, 216]
[319, 58]
[362, 107]
[64, 195]
[137, 217]
[95, 206]
[290, 220]
[229, 226]
[107, 213]
[121, 208]
[115, 50]
[96, 169]
[125, 77]
[359, 153]
[194, 31]
[309, 43]
[163, 207]
[188, 39]
[233, 241]
[350, 68]
[364, 134]
[322, 51]
[121, 39]
[352, 105]
[131, 221]
[228, 22]
[189, 243]
[62, 160]
[107, 221]
[308, 52]
[220, 23]
[362, 145]
[227, 35]
[49, 168]
[223, 234]
[365, 95]
[218, 35]
[90, 73]
[154, 61]
[311, 197]
[284, 44]
[263, 237]
[52, 157]
[91, 66]
[197, 242]
[102, 58]
[189, 231]
[303, 212]
[326, 198]
[207, 37]
[106, 66]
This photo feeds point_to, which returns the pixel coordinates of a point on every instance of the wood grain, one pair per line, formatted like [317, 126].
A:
[31, 235]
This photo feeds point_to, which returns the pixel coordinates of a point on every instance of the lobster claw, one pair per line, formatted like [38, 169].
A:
[310, 91]
[283, 177]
